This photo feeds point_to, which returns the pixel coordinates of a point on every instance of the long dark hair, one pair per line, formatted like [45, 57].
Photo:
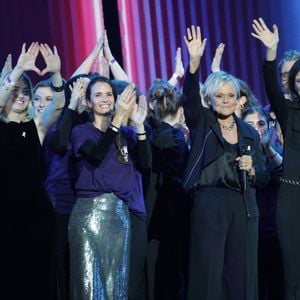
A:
[291, 81]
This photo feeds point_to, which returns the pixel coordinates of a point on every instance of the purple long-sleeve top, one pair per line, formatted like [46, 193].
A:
[109, 175]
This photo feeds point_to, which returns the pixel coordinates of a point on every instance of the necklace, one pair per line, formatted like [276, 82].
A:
[228, 127]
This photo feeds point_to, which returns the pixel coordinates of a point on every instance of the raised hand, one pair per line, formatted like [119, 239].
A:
[262, 32]
[51, 58]
[216, 62]
[78, 91]
[193, 41]
[98, 47]
[7, 65]
[124, 103]
[179, 69]
[27, 59]
[106, 49]
[139, 111]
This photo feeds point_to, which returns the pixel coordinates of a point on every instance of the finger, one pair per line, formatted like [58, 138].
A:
[37, 70]
[203, 44]
[194, 36]
[55, 50]
[23, 48]
[48, 49]
[30, 49]
[255, 35]
[257, 25]
[178, 53]
[198, 33]
[189, 34]
[275, 28]
[43, 50]
[186, 41]
[263, 24]
[44, 71]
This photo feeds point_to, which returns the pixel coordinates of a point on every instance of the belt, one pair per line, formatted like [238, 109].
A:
[290, 181]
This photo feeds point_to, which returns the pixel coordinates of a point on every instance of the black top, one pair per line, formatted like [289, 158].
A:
[288, 115]
[23, 196]
[226, 168]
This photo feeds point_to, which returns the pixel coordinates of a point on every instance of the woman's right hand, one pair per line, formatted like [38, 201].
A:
[27, 59]
[262, 32]
[124, 104]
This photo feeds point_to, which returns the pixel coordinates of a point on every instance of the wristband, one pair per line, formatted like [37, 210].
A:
[57, 89]
[140, 134]
[112, 61]
[114, 128]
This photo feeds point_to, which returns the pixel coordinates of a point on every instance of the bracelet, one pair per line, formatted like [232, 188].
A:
[114, 128]
[10, 82]
[57, 89]
[273, 156]
[112, 61]
[140, 134]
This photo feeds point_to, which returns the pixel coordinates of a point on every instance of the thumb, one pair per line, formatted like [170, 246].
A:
[43, 72]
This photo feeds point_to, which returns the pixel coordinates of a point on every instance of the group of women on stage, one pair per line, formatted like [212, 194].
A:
[109, 195]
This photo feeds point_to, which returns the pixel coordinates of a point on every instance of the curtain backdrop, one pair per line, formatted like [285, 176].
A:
[150, 32]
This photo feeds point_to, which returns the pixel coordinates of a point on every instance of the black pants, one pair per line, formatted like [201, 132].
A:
[61, 259]
[137, 258]
[270, 267]
[223, 248]
[288, 222]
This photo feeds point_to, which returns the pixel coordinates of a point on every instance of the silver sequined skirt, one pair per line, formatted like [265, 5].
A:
[99, 236]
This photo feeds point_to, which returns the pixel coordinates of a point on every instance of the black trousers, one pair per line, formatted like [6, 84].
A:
[270, 267]
[223, 248]
[288, 223]
[61, 259]
[137, 258]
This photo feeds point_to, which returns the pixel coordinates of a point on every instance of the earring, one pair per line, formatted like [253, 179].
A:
[181, 119]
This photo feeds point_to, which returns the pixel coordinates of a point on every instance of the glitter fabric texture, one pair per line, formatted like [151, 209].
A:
[99, 235]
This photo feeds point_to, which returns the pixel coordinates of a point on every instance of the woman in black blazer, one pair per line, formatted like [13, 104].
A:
[225, 165]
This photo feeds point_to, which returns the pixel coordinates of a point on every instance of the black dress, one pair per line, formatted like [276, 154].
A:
[167, 210]
[26, 226]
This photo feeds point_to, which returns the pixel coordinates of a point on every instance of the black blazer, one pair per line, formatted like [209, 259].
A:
[207, 141]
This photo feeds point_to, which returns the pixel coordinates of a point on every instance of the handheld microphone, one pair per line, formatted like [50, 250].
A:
[244, 150]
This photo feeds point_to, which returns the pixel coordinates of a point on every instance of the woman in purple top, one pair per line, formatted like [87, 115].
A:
[99, 229]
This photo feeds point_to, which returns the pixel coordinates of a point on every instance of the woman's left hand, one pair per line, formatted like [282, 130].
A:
[52, 59]
[245, 163]
[139, 111]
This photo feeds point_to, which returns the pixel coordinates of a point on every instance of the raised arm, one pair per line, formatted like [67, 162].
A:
[115, 67]
[96, 151]
[87, 64]
[216, 62]
[26, 62]
[191, 89]
[270, 41]
[138, 116]
[179, 69]
[7, 68]
[53, 65]
[58, 141]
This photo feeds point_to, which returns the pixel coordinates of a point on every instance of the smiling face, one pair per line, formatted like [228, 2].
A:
[102, 99]
[20, 98]
[42, 98]
[224, 101]
[258, 122]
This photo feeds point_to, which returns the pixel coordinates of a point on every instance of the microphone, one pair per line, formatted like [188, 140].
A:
[244, 150]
